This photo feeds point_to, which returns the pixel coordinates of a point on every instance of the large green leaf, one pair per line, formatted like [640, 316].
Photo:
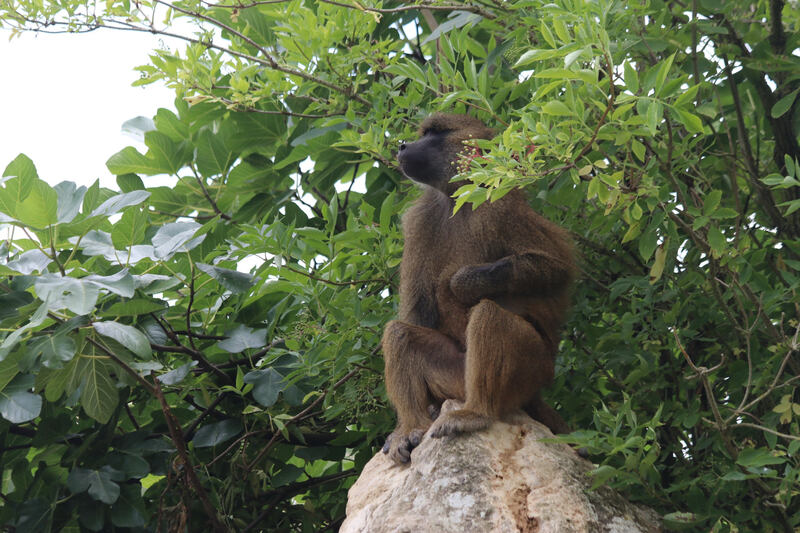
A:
[70, 198]
[213, 157]
[128, 336]
[175, 237]
[120, 283]
[130, 229]
[117, 203]
[17, 403]
[101, 484]
[216, 433]
[99, 395]
[63, 292]
[54, 349]
[267, 384]
[243, 338]
[232, 280]
[40, 208]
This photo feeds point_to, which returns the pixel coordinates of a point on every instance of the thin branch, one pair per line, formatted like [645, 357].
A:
[270, 60]
[188, 470]
[764, 194]
[335, 283]
[359, 7]
[300, 415]
[702, 373]
[201, 183]
[297, 488]
[189, 430]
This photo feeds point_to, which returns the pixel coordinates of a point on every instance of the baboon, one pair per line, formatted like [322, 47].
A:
[483, 294]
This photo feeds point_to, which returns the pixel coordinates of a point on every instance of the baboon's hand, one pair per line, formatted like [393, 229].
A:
[400, 444]
[473, 282]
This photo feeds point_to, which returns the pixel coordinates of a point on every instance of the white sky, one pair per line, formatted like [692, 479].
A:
[63, 99]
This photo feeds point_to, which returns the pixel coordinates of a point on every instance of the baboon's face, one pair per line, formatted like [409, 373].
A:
[433, 159]
[428, 160]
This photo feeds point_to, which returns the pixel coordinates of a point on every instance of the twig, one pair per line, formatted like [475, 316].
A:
[336, 283]
[188, 470]
[299, 415]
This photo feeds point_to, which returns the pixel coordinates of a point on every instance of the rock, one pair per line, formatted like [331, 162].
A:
[503, 479]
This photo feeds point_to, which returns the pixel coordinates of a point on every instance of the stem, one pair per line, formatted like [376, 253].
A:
[188, 469]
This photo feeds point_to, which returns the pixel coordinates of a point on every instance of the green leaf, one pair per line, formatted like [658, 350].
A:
[14, 337]
[691, 122]
[586, 76]
[784, 104]
[735, 475]
[129, 510]
[216, 433]
[130, 161]
[99, 395]
[602, 474]
[70, 198]
[120, 283]
[55, 350]
[648, 243]
[286, 475]
[663, 70]
[556, 107]
[631, 78]
[655, 112]
[757, 457]
[130, 183]
[173, 377]
[91, 516]
[234, 281]
[29, 262]
[25, 171]
[243, 338]
[685, 99]
[716, 240]
[547, 34]
[130, 229]
[117, 203]
[711, 201]
[101, 484]
[658, 264]
[134, 307]
[39, 209]
[17, 404]
[60, 292]
[638, 150]
[138, 126]
[11, 302]
[268, 383]
[174, 237]
[681, 518]
[128, 336]
[213, 158]
[165, 151]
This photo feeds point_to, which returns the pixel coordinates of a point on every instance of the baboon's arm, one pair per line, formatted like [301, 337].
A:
[528, 273]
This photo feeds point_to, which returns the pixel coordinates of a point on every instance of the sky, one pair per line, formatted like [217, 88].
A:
[64, 98]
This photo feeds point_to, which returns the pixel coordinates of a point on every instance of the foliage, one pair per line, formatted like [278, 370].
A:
[147, 381]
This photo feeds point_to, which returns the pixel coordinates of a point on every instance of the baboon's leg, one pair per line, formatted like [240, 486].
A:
[507, 363]
[423, 367]
[539, 410]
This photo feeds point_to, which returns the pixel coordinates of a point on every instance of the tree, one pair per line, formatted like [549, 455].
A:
[147, 381]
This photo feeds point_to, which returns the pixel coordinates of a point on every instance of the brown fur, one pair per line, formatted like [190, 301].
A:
[482, 296]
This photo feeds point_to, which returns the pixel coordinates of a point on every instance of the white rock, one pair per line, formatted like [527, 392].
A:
[503, 479]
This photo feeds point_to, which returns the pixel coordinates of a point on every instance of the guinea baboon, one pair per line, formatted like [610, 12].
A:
[483, 294]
